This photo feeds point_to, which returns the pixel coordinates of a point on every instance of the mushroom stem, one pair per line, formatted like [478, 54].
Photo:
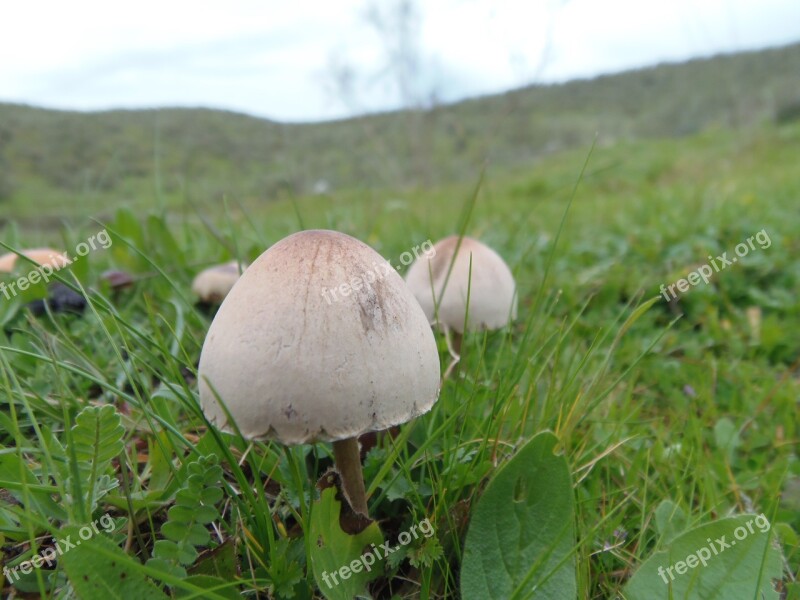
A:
[457, 338]
[348, 463]
[454, 348]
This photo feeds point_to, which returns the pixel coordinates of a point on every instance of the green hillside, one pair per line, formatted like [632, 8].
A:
[54, 163]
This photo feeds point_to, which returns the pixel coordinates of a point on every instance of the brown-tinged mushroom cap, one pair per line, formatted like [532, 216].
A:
[117, 280]
[492, 291]
[318, 341]
[41, 256]
[211, 285]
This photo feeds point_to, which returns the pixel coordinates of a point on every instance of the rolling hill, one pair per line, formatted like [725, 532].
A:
[56, 162]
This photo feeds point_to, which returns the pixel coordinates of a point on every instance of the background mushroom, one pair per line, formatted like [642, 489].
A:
[211, 285]
[491, 287]
[118, 280]
[60, 298]
[310, 346]
[40, 256]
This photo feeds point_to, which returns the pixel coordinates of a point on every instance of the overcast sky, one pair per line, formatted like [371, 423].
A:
[277, 59]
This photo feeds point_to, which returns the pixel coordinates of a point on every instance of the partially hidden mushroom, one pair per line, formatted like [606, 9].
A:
[211, 285]
[295, 363]
[117, 280]
[41, 256]
[477, 273]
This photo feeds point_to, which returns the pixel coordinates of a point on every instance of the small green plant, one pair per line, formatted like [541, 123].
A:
[185, 529]
[96, 439]
[82, 470]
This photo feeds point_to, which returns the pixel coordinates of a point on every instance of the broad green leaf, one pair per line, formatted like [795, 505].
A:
[219, 562]
[726, 436]
[670, 521]
[166, 549]
[161, 236]
[166, 566]
[521, 538]
[144, 499]
[211, 495]
[99, 570]
[195, 534]
[15, 475]
[187, 553]
[728, 559]
[333, 551]
[9, 310]
[158, 459]
[10, 525]
[126, 225]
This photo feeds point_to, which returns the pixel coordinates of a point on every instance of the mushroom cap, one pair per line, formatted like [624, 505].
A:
[492, 291]
[319, 340]
[41, 256]
[211, 285]
[117, 280]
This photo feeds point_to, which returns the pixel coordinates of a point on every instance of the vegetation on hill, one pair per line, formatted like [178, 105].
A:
[55, 163]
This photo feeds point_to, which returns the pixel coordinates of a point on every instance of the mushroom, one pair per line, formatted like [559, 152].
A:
[293, 366]
[487, 279]
[117, 280]
[211, 285]
[41, 256]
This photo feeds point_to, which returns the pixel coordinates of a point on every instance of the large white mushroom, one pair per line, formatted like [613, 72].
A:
[291, 365]
[442, 279]
[41, 256]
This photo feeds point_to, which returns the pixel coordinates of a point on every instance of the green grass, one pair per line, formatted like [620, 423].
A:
[694, 402]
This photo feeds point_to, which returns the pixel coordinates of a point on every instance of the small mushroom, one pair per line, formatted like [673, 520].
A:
[211, 285]
[117, 280]
[292, 366]
[487, 279]
[41, 256]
